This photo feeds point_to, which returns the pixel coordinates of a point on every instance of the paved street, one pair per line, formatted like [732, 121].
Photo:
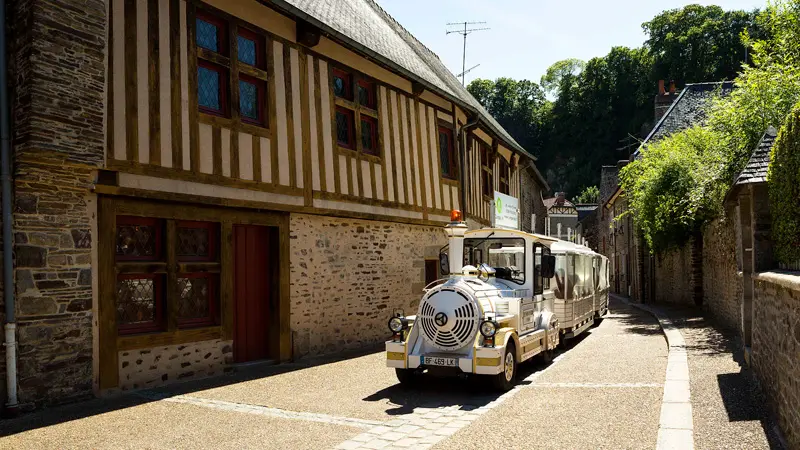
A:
[604, 392]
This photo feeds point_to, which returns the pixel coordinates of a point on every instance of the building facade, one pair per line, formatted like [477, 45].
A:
[562, 217]
[198, 184]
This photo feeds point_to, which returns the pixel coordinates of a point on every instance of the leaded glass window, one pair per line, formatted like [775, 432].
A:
[248, 100]
[207, 35]
[344, 127]
[139, 302]
[369, 135]
[247, 50]
[138, 239]
[209, 89]
[194, 293]
[342, 84]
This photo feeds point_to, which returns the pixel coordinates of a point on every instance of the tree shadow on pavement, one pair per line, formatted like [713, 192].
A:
[56, 414]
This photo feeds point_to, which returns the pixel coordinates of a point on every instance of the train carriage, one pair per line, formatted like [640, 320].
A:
[509, 296]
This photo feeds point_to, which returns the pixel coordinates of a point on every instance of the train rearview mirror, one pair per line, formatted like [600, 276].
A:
[548, 266]
[444, 264]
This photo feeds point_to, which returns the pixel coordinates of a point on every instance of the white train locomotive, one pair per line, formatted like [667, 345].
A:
[510, 296]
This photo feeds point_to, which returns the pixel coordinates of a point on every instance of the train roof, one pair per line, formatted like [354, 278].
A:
[547, 240]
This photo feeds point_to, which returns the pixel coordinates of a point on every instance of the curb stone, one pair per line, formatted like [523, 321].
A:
[675, 427]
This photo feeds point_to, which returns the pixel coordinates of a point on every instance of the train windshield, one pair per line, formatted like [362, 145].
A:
[505, 255]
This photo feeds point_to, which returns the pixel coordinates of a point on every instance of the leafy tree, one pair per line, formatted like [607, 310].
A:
[589, 195]
[698, 43]
[551, 81]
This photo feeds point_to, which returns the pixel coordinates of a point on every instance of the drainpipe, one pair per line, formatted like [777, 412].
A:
[8, 268]
[462, 164]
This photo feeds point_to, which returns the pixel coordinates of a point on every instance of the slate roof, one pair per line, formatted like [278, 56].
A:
[756, 169]
[688, 109]
[548, 202]
[365, 26]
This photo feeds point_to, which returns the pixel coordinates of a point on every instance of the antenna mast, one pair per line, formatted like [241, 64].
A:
[464, 33]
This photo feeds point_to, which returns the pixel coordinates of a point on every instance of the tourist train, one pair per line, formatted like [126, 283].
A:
[508, 296]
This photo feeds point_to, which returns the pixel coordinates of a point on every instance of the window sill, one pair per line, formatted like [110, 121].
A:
[133, 342]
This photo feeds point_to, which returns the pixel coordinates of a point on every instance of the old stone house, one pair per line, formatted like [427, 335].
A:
[587, 224]
[203, 183]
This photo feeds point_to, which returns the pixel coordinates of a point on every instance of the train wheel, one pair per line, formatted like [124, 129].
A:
[406, 377]
[504, 381]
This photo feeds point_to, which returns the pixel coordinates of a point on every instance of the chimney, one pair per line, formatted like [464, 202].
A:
[560, 197]
[663, 100]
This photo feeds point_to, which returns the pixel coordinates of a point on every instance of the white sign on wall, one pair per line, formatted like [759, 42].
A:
[506, 211]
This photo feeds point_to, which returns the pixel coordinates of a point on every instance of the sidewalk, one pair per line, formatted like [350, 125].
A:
[728, 408]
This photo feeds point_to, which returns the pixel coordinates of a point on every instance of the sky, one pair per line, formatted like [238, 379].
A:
[527, 36]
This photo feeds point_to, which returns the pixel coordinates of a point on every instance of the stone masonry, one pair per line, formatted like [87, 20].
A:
[57, 62]
[722, 287]
[530, 202]
[348, 276]
[776, 347]
[157, 366]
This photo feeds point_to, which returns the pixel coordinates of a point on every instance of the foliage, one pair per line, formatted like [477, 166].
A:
[679, 184]
[784, 189]
[589, 195]
[519, 106]
[673, 190]
[698, 43]
[765, 91]
[570, 68]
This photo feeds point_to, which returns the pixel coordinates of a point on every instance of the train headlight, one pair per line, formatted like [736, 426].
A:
[488, 328]
[397, 324]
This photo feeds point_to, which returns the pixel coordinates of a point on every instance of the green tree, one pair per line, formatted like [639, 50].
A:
[698, 43]
[589, 195]
[551, 80]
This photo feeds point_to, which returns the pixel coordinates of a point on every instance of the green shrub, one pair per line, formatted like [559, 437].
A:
[784, 189]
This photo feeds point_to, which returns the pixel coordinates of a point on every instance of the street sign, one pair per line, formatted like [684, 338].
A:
[506, 211]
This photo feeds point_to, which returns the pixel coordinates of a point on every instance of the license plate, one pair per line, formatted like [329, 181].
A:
[438, 361]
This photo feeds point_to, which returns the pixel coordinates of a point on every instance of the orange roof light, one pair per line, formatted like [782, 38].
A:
[455, 216]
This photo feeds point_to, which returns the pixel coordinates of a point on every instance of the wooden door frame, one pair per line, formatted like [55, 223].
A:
[110, 343]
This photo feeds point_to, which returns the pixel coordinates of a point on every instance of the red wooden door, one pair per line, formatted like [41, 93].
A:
[251, 281]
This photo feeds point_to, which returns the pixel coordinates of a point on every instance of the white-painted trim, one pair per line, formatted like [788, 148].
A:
[378, 181]
[398, 162]
[206, 145]
[366, 178]
[343, 175]
[149, 183]
[225, 150]
[245, 156]
[266, 160]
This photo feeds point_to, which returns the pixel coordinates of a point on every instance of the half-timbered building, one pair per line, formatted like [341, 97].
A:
[204, 183]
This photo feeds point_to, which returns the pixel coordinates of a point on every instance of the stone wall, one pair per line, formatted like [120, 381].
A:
[673, 276]
[348, 276]
[722, 286]
[162, 365]
[776, 347]
[57, 62]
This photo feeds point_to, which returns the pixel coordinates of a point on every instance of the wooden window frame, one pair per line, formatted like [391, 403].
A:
[227, 60]
[375, 149]
[504, 176]
[260, 44]
[452, 172]
[261, 100]
[350, 103]
[213, 300]
[487, 174]
[353, 144]
[157, 325]
[222, 30]
[223, 89]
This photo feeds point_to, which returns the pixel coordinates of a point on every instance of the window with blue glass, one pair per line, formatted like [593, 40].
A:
[251, 100]
[447, 155]
[210, 33]
[211, 88]
[342, 84]
[230, 70]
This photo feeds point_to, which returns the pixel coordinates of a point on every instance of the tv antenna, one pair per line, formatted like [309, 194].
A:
[464, 33]
[468, 70]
